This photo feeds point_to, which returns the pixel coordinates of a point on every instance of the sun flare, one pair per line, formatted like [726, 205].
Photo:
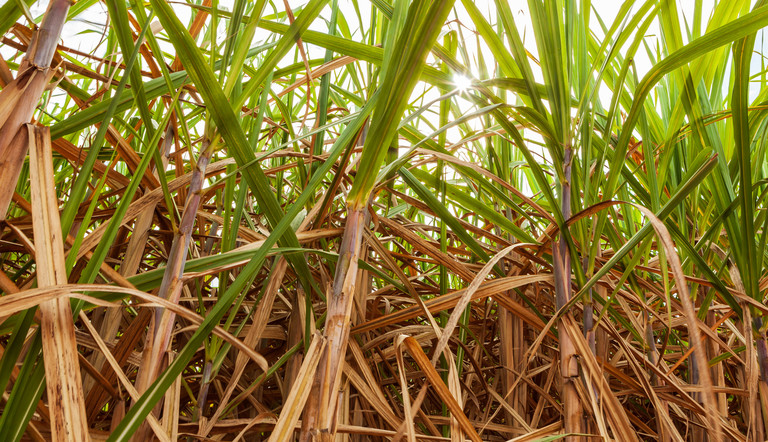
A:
[462, 82]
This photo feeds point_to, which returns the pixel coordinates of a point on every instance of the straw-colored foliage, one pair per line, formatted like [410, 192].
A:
[275, 221]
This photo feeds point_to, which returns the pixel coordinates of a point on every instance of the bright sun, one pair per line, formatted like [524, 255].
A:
[462, 82]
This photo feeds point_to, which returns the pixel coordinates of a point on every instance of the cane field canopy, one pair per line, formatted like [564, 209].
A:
[383, 220]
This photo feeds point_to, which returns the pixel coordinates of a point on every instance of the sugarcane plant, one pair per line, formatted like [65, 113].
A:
[386, 220]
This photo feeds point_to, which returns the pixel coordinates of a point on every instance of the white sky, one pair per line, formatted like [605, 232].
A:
[86, 30]
[85, 33]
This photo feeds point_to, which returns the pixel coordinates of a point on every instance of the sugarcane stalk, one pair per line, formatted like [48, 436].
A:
[161, 329]
[65, 389]
[420, 30]
[569, 367]
[19, 99]
[322, 406]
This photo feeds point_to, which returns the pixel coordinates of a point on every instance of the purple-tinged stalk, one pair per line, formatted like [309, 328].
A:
[161, 328]
[561, 261]
[321, 409]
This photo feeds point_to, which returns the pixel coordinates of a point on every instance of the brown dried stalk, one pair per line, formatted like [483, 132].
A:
[65, 391]
[19, 99]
